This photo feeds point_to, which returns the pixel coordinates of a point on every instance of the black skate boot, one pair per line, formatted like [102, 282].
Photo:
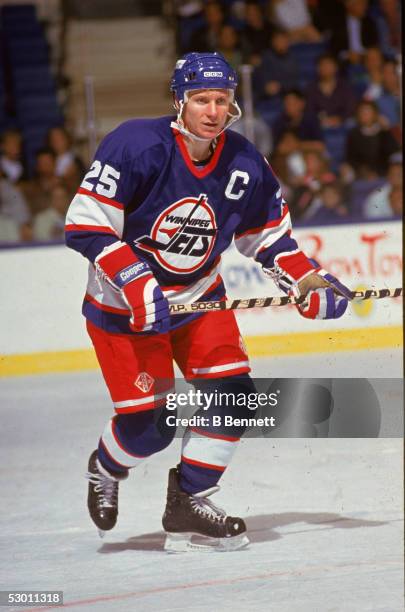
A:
[188, 515]
[102, 500]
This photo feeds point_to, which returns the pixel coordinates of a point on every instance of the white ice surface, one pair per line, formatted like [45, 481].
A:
[384, 363]
[324, 515]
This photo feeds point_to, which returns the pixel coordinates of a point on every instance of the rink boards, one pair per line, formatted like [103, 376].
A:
[42, 328]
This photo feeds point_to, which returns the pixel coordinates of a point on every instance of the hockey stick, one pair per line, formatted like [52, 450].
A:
[264, 302]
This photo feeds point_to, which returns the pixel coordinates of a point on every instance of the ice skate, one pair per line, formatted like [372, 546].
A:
[188, 517]
[102, 500]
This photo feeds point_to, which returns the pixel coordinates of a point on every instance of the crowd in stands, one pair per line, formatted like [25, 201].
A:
[39, 172]
[33, 204]
[326, 88]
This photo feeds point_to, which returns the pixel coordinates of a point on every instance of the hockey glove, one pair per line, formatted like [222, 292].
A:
[133, 278]
[325, 296]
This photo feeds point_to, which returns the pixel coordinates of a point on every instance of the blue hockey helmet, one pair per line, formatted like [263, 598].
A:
[202, 71]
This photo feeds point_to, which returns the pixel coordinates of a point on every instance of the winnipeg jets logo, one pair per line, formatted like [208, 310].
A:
[183, 236]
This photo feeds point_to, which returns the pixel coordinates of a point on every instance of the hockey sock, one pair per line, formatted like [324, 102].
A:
[129, 438]
[207, 450]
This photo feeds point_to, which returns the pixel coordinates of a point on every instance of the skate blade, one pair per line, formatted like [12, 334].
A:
[181, 542]
[101, 533]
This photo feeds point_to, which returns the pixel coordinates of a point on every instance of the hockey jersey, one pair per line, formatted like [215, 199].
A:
[143, 189]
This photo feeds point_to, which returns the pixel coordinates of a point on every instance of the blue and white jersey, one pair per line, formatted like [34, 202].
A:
[144, 189]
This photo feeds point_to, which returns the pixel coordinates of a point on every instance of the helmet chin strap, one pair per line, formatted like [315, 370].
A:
[180, 126]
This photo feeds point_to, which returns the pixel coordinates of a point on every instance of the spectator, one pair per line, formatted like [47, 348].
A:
[304, 124]
[396, 199]
[353, 32]
[11, 164]
[278, 71]
[379, 81]
[287, 159]
[391, 10]
[328, 206]
[370, 85]
[378, 203]
[228, 45]
[49, 224]
[68, 166]
[37, 190]
[15, 216]
[294, 17]
[288, 162]
[316, 173]
[256, 33]
[369, 145]
[331, 97]
[388, 101]
[207, 37]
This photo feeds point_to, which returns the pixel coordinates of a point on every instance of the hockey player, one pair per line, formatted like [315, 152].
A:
[162, 200]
